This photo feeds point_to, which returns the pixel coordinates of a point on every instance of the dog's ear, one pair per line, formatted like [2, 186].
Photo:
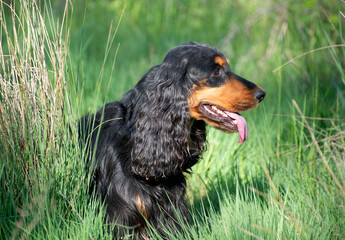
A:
[160, 141]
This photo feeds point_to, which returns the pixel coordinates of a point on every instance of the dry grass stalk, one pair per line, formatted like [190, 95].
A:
[324, 160]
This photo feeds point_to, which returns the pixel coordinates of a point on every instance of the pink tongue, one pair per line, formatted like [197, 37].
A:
[242, 127]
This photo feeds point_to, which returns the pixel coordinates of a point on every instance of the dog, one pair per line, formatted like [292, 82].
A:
[142, 146]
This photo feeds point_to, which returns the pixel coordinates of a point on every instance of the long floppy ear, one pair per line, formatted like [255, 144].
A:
[160, 141]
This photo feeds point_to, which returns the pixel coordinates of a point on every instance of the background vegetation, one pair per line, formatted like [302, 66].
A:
[60, 60]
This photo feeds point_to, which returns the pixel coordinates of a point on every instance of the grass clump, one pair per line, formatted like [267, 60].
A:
[41, 174]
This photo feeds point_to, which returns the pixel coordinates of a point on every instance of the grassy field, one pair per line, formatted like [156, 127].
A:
[61, 60]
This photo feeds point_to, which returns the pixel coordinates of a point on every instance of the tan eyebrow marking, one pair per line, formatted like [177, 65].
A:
[227, 60]
[220, 61]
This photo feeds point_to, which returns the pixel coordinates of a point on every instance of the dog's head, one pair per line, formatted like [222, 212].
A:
[217, 94]
[194, 82]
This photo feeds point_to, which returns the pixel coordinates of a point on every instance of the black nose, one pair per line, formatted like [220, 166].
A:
[260, 95]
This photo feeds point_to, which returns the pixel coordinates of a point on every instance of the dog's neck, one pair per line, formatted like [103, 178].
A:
[196, 146]
[196, 142]
[191, 143]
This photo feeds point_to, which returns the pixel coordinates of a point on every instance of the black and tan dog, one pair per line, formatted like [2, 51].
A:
[144, 143]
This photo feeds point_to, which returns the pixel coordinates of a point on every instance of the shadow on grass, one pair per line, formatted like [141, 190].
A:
[219, 190]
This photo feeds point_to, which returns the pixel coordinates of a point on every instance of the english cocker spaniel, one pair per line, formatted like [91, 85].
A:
[142, 146]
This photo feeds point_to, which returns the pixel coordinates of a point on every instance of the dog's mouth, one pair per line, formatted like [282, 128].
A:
[226, 120]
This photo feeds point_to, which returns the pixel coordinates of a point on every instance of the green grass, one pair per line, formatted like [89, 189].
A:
[59, 61]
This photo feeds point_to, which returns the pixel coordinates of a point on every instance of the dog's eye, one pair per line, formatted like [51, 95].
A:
[217, 72]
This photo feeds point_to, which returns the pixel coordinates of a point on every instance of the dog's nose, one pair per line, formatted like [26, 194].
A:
[260, 95]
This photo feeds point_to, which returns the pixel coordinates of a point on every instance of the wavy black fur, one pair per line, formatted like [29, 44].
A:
[144, 143]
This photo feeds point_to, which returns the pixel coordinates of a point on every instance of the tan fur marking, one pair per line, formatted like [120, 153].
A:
[227, 60]
[141, 206]
[220, 61]
[229, 97]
